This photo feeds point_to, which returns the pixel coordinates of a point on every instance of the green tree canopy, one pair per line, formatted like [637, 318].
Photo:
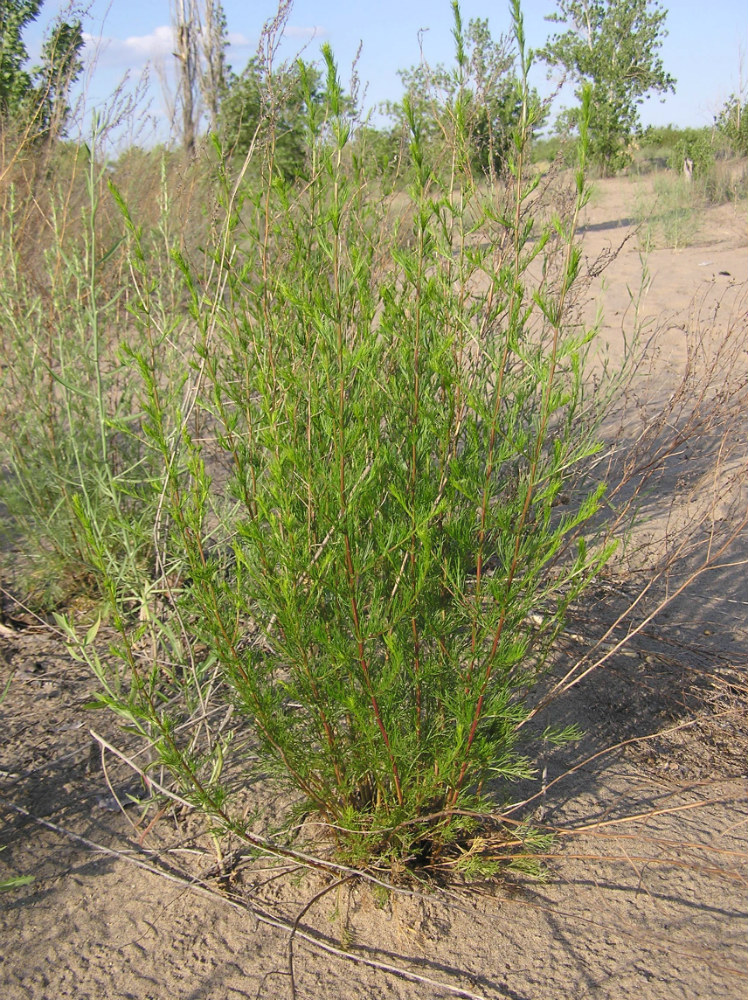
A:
[732, 123]
[277, 104]
[481, 90]
[37, 98]
[60, 68]
[15, 81]
[614, 46]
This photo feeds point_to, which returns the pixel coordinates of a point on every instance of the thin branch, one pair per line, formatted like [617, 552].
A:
[197, 885]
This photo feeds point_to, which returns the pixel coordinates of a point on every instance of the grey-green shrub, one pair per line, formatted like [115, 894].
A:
[81, 482]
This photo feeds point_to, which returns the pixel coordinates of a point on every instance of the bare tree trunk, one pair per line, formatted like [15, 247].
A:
[186, 32]
[212, 70]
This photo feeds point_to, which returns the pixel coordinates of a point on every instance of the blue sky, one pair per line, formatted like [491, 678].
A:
[706, 48]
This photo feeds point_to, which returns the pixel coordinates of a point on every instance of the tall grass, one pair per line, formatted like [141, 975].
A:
[79, 484]
[360, 510]
[668, 216]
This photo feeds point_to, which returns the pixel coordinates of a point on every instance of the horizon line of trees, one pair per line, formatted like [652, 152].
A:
[611, 45]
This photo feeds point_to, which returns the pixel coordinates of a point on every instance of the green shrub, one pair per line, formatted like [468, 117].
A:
[552, 148]
[408, 515]
[697, 146]
[732, 123]
[363, 446]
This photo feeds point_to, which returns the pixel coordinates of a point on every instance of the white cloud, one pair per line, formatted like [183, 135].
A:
[238, 40]
[159, 45]
[134, 50]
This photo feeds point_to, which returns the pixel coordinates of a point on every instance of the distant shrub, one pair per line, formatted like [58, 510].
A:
[732, 123]
[697, 146]
[667, 146]
[552, 148]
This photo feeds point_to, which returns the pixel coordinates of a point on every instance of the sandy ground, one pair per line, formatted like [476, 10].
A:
[646, 890]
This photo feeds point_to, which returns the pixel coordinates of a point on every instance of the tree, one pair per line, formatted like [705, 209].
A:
[614, 46]
[61, 68]
[732, 122]
[212, 49]
[185, 19]
[495, 101]
[277, 105]
[37, 99]
[200, 52]
[479, 95]
[15, 81]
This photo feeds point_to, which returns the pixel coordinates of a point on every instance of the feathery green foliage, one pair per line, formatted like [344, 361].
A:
[369, 500]
[732, 122]
[612, 45]
[478, 97]
[253, 108]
